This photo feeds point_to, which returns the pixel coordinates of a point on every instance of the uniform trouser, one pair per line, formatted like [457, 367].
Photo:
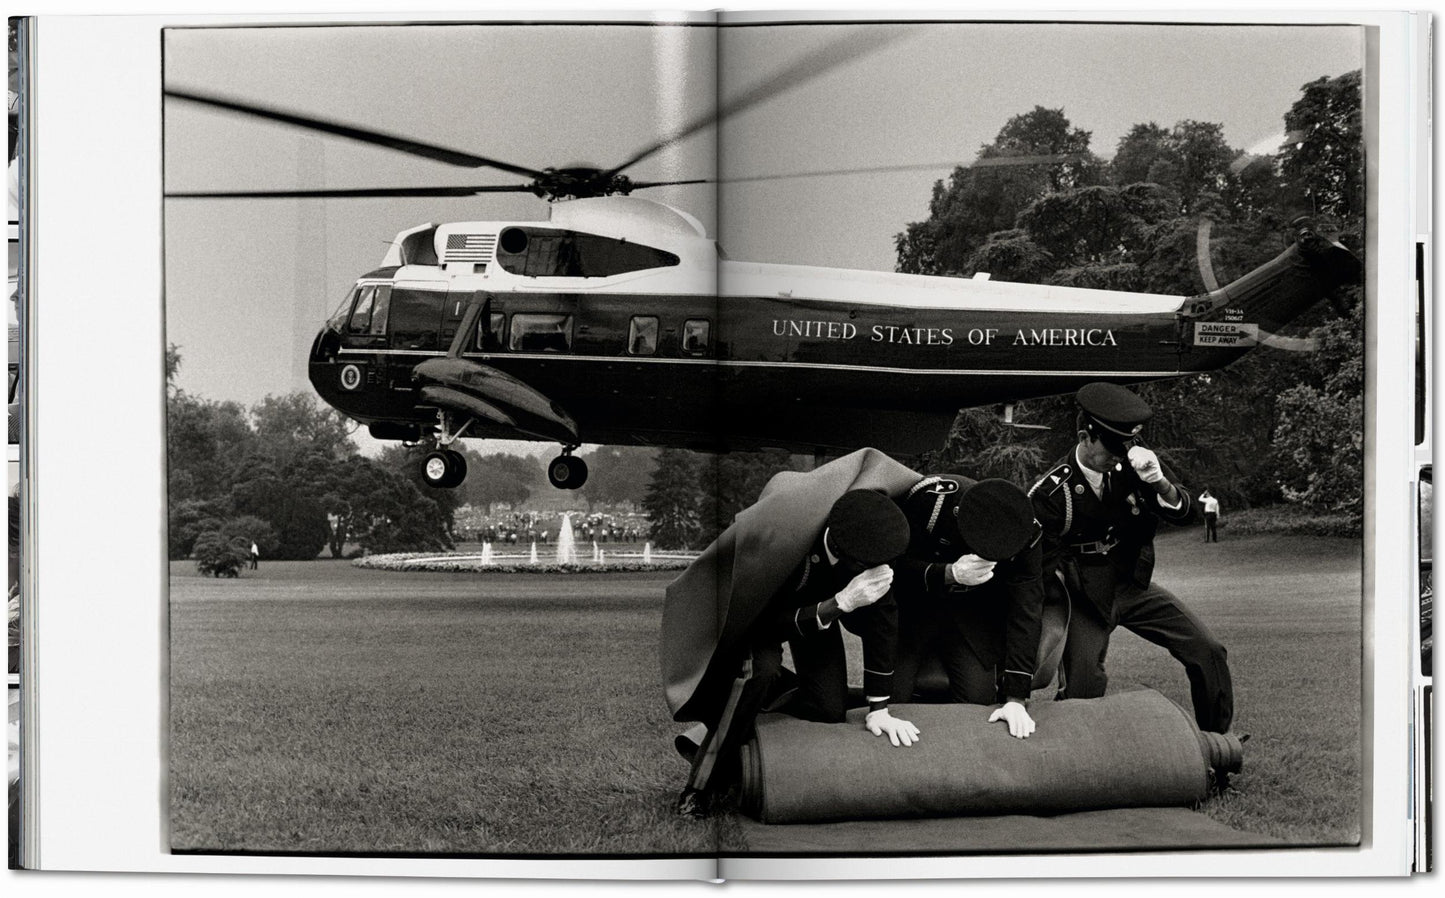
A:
[925, 632]
[1158, 616]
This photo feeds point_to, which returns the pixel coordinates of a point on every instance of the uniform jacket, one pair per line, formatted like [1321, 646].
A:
[793, 615]
[1128, 514]
[709, 610]
[1000, 619]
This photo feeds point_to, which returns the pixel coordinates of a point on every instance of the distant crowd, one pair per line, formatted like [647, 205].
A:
[527, 527]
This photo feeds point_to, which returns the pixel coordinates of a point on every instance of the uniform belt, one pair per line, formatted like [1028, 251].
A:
[1100, 547]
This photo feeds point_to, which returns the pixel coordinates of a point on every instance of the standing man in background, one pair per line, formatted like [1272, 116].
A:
[1211, 516]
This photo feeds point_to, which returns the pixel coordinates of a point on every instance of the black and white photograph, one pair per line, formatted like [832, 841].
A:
[743, 440]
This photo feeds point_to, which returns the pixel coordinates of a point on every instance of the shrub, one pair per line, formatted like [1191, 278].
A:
[1292, 519]
[218, 557]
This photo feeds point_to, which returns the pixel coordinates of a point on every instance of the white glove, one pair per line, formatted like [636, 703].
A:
[900, 732]
[1020, 724]
[865, 589]
[970, 570]
[1146, 464]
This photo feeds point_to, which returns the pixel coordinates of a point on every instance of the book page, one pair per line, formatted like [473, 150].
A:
[973, 159]
[494, 724]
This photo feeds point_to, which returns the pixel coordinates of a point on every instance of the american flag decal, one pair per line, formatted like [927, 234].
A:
[470, 248]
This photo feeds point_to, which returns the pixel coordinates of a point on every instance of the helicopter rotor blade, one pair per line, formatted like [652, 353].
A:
[807, 68]
[363, 135]
[990, 162]
[641, 185]
[351, 193]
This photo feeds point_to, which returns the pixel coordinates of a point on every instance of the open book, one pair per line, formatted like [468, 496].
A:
[278, 273]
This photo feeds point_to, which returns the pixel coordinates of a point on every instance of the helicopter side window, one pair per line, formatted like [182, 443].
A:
[416, 317]
[490, 337]
[601, 257]
[642, 336]
[695, 334]
[380, 311]
[541, 333]
[541, 252]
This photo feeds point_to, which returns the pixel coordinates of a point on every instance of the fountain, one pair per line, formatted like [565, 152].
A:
[596, 552]
[566, 542]
[534, 551]
[647, 553]
[601, 558]
[487, 555]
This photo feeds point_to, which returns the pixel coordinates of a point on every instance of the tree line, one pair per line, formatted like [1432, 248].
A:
[1276, 427]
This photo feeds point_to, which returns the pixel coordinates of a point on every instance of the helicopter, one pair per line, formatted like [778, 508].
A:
[618, 321]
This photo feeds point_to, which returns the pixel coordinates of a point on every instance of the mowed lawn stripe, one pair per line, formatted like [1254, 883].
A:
[476, 724]
[320, 707]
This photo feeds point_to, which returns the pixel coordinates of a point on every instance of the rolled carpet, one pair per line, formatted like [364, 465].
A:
[1131, 749]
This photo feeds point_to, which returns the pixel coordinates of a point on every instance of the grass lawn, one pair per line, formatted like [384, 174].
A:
[318, 707]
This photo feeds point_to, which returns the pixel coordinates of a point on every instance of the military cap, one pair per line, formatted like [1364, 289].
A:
[996, 519]
[1112, 414]
[867, 527]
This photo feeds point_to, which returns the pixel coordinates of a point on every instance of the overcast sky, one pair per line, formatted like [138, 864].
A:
[249, 281]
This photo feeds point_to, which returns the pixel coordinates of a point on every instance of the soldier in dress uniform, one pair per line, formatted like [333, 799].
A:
[1100, 507]
[844, 581]
[969, 591]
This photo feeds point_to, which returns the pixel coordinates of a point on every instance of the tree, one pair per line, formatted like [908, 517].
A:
[408, 461]
[1323, 163]
[980, 446]
[1036, 153]
[383, 511]
[204, 442]
[188, 519]
[501, 478]
[1319, 436]
[287, 426]
[288, 497]
[1011, 256]
[740, 478]
[1189, 160]
[676, 495]
[617, 475]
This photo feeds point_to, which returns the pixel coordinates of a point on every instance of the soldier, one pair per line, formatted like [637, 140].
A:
[969, 591]
[1099, 517]
[843, 581]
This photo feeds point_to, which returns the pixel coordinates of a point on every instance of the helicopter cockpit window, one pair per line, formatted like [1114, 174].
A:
[642, 336]
[361, 315]
[541, 333]
[695, 334]
[542, 252]
[337, 321]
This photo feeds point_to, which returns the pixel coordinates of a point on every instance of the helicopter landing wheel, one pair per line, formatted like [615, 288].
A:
[567, 472]
[444, 469]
